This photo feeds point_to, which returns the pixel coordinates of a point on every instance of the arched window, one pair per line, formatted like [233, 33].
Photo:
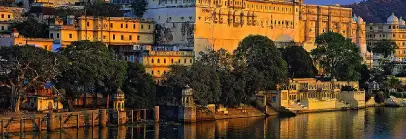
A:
[152, 61]
[164, 60]
[158, 60]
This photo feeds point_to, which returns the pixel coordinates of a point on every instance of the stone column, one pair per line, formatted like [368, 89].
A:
[156, 114]
[51, 123]
[102, 118]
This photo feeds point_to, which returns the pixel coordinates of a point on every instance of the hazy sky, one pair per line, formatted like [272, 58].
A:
[331, 1]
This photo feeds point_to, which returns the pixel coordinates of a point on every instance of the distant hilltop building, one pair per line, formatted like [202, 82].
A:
[394, 29]
[216, 24]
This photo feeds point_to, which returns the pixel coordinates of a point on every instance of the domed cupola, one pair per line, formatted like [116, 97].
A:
[392, 19]
[402, 22]
[360, 20]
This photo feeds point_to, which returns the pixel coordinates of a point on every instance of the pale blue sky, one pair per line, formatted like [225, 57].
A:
[331, 1]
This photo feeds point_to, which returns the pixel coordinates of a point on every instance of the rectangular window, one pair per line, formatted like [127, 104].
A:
[114, 37]
[149, 26]
[9, 16]
[126, 25]
[122, 37]
[133, 26]
[2, 15]
[2, 27]
[142, 26]
[51, 35]
[70, 36]
[88, 24]
[121, 25]
[138, 37]
[111, 25]
[131, 37]
[57, 35]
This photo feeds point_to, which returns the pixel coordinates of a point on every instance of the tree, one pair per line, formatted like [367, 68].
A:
[25, 68]
[337, 56]
[259, 52]
[32, 28]
[139, 87]
[91, 67]
[139, 7]
[299, 62]
[384, 47]
[103, 10]
[7, 2]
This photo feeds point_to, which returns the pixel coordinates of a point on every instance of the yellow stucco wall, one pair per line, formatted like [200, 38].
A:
[157, 62]
[314, 104]
[110, 30]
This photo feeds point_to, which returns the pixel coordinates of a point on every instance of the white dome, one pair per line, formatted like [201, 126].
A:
[402, 22]
[360, 20]
[393, 19]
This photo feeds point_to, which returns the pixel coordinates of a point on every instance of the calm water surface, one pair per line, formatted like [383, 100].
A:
[385, 123]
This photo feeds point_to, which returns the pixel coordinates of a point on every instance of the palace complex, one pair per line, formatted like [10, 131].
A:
[308, 94]
[394, 30]
[222, 24]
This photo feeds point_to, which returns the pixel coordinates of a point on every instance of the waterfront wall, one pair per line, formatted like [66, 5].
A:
[89, 118]
[314, 104]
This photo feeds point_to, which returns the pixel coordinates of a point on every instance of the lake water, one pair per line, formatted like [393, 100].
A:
[385, 123]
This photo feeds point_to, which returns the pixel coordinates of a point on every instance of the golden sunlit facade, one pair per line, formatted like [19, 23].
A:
[394, 30]
[157, 60]
[8, 15]
[217, 24]
[116, 31]
[316, 94]
[16, 39]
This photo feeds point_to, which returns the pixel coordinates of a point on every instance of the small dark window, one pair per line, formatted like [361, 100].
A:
[142, 26]
[172, 61]
[164, 60]
[184, 61]
[149, 26]
[51, 35]
[138, 37]
[191, 60]
[70, 36]
[121, 25]
[114, 37]
[131, 37]
[152, 61]
[88, 24]
[126, 25]
[158, 60]
[111, 25]
[9, 16]
[134, 26]
[152, 72]
[57, 35]
[122, 37]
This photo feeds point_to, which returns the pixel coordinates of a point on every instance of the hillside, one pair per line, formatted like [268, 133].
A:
[377, 11]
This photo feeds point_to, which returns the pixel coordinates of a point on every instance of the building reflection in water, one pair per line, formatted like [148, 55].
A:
[368, 123]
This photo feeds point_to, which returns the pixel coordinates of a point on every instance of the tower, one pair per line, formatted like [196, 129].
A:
[118, 100]
[187, 109]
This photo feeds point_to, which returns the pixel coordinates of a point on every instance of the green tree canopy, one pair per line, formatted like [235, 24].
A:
[139, 87]
[27, 67]
[260, 52]
[337, 56]
[103, 10]
[299, 62]
[91, 65]
[139, 7]
[384, 47]
[32, 28]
